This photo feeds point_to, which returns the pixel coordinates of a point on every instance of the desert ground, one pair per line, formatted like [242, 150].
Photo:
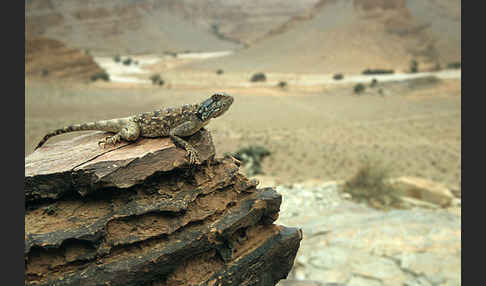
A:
[314, 131]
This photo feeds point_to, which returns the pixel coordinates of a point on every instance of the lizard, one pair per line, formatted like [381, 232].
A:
[178, 122]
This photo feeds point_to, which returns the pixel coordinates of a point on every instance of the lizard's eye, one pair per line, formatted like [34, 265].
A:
[217, 96]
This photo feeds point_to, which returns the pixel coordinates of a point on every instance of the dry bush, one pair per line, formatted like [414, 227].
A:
[258, 77]
[369, 185]
[359, 88]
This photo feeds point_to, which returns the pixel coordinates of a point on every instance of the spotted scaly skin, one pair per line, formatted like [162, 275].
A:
[175, 123]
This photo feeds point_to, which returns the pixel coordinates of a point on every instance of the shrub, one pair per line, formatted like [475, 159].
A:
[369, 185]
[101, 75]
[258, 77]
[44, 72]
[413, 66]
[374, 82]
[454, 65]
[359, 88]
[282, 84]
[252, 158]
[377, 71]
[338, 76]
[172, 54]
[127, 62]
[420, 82]
[117, 58]
[156, 79]
[220, 71]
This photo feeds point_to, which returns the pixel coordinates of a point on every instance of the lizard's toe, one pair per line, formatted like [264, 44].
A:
[193, 158]
[102, 143]
[110, 140]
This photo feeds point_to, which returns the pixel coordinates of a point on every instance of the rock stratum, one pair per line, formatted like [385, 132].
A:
[138, 214]
[51, 59]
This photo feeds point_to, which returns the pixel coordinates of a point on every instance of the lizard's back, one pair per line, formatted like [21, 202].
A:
[158, 123]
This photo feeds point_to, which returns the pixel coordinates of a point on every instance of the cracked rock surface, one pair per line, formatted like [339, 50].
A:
[346, 243]
[139, 214]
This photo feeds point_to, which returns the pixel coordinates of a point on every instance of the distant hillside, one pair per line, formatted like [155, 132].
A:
[50, 59]
[350, 36]
[281, 35]
[126, 26]
[150, 26]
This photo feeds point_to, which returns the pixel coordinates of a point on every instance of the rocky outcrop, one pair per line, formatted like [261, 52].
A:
[424, 190]
[139, 214]
[50, 59]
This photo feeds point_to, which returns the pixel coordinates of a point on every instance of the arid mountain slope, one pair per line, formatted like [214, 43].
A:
[281, 35]
[350, 36]
[49, 59]
[244, 21]
[110, 27]
[149, 26]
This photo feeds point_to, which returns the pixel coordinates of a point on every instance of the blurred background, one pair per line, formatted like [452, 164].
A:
[350, 108]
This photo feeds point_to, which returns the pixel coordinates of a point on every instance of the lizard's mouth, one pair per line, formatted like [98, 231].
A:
[214, 106]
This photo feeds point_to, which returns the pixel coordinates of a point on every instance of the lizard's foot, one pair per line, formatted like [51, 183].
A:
[190, 151]
[110, 140]
[209, 171]
[193, 157]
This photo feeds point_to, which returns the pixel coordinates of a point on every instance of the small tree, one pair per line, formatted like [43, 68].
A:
[258, 77]
[413, 66]
[101, 75]
[338, 76]
[127, 62]
[219, 72]
[282, 84]
[156, 79]
[374, 82]
[117, 58]
[359, 88]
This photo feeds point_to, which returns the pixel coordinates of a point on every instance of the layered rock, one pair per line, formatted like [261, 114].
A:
[49, 58]
[139, 214]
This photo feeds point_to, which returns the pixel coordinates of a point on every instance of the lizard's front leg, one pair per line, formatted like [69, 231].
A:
[129, 132]
[186, 129]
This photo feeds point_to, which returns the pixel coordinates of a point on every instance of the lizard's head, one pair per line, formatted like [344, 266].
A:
[214, 106]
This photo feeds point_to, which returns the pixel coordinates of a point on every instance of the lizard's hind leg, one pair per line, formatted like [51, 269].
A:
[129, 132]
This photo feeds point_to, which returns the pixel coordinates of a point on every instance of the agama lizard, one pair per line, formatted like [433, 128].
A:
[175, 123]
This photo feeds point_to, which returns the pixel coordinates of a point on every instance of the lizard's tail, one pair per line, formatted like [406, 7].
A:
[67, 129]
